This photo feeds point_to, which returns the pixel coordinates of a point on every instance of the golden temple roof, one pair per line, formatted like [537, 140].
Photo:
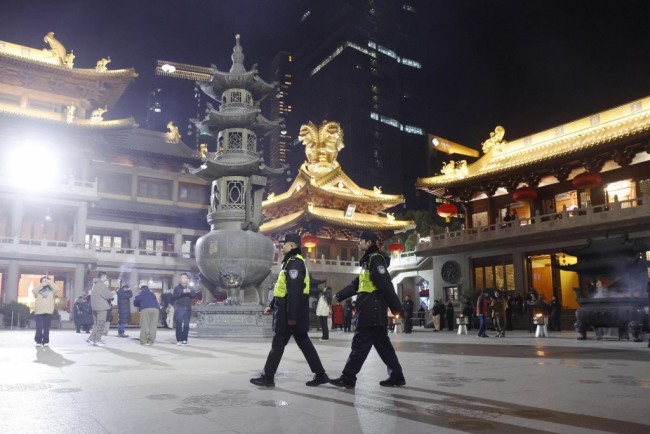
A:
[591, 132]
[323, 192]
[334, 184]
[337, 218]
[52, 71]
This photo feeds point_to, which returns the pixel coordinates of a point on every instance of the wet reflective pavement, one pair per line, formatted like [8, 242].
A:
[455, 383]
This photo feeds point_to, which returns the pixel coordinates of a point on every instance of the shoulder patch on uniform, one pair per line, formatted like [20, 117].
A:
[381, 269]
[293, 274]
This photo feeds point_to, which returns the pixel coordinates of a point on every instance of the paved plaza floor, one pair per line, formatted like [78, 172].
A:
[455, 383]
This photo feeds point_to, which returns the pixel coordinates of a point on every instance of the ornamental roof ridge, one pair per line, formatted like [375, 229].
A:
[374, 195]
[89, 72]
[584, 133]
[336, 217]
[323, 184]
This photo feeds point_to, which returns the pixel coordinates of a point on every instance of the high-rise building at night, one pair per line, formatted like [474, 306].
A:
[359, 63]
[279, 142]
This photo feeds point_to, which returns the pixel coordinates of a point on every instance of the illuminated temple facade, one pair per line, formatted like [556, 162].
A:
[586, 179]
[81, 193]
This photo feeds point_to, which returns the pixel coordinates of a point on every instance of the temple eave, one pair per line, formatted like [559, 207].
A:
[57, 118]
[337, 218]
[621, 126]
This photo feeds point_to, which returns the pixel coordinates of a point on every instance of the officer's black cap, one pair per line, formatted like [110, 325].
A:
[292, 238]
[367, 235]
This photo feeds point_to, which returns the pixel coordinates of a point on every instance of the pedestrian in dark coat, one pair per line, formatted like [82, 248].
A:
[165, 302]
[124, 295]
[347, 316]
[421, 313]
[408, 314]
[556, 310]
[147, 304]
[375, 294]
[449, 314]
[182, 298]
[83, 314]
[290, 307]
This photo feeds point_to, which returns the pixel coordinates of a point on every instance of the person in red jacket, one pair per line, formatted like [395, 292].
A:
[482, 311]
[337, 316]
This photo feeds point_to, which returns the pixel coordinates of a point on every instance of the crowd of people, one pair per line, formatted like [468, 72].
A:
[363, 307]
[92, 311]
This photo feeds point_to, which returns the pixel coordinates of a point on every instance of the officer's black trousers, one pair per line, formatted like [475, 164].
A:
[364, 339]
[280, 340]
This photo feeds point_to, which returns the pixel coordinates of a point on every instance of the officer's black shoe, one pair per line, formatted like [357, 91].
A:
[340, 382]
[318, 380]
[262, 381]
[392, 382]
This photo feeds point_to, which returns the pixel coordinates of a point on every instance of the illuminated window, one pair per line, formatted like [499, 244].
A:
[155, 188]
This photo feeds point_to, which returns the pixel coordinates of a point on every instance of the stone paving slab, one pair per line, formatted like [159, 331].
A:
[455, 383]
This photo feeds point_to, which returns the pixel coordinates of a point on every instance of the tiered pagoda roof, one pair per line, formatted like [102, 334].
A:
[325, 200]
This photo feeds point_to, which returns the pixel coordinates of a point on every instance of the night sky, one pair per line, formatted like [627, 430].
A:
[526, 65]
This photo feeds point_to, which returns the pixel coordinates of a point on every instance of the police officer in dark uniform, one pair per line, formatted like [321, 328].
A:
[290, 306]
[375, 293]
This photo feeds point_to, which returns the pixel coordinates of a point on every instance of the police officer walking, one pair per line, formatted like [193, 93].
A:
[290, 306]
[375, 293]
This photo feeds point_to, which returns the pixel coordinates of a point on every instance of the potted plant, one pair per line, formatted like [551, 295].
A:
[15, 314]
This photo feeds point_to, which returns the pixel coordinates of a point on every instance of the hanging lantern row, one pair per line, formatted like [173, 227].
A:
[396, 247]
[587, 180]
[524, 194]
[447, 210]
[309, 241]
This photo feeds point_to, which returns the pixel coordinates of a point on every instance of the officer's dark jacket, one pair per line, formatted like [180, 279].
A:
[295, 305]
[371, 307]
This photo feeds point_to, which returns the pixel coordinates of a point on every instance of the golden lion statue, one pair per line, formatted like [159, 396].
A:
[56, 47]
[323, 143]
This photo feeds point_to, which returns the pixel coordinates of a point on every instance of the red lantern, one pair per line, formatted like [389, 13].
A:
[447, 210]
[587, 180]
[309, 241]
[524, 193]
[396, 247]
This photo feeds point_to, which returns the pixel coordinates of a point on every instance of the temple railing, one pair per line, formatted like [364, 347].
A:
[626, 214]
[64, 187]
[66, 250]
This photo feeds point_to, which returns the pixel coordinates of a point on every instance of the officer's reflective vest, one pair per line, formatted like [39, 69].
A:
[280, 288]
[365, 284]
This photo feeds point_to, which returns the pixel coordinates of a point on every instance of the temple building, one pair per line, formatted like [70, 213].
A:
[325, 206]
[82, 193]
[529, 202]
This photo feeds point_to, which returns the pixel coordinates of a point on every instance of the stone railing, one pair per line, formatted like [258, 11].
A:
[64, 187]
[322, 265]
[576, 220]
[20, 247]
